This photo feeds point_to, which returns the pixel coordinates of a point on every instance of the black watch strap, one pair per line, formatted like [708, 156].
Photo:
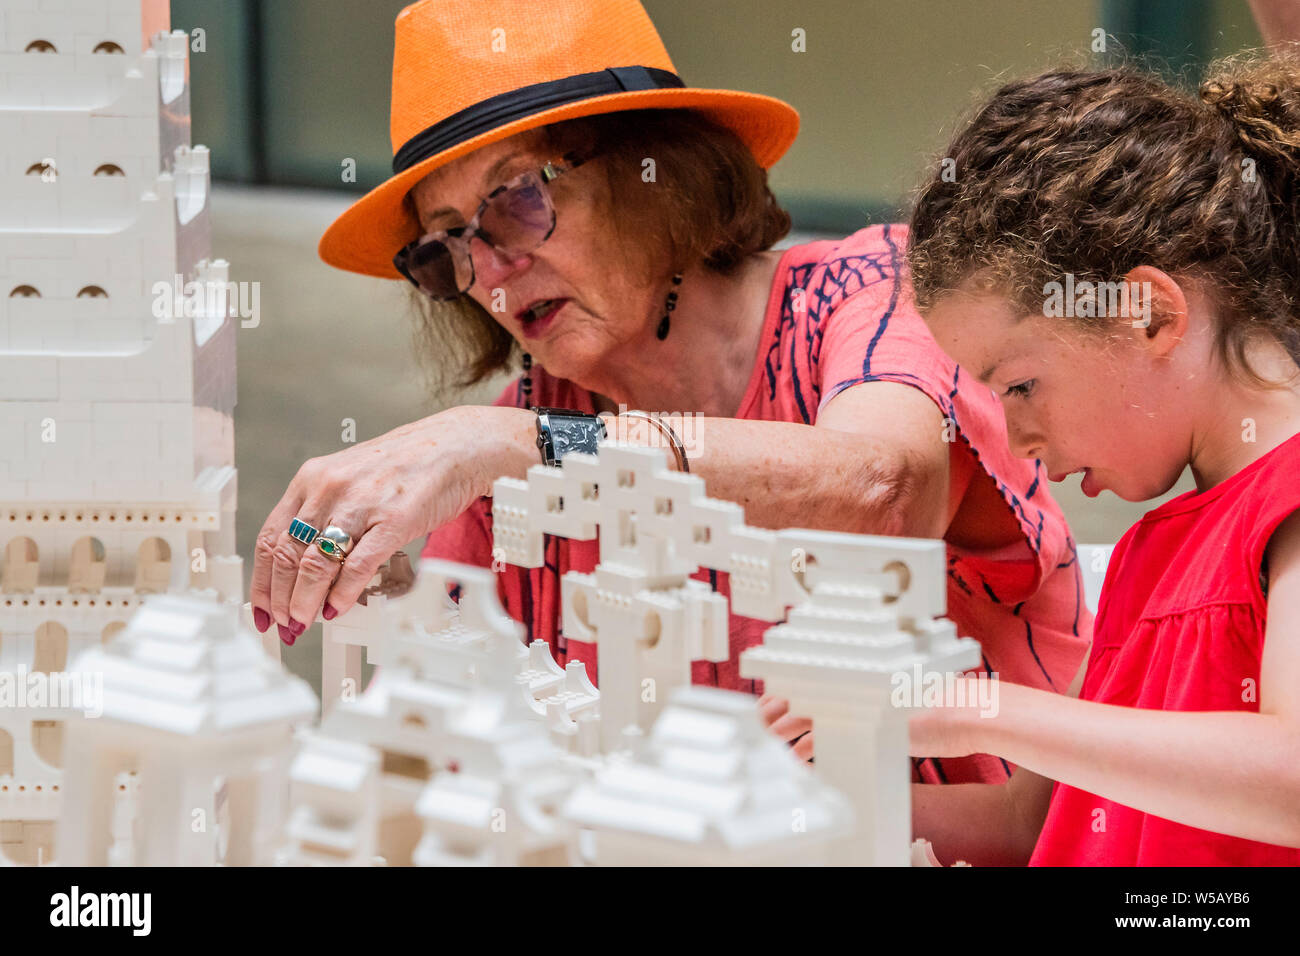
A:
[563, 431]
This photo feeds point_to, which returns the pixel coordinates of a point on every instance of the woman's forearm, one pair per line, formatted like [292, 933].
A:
[787, 475]
[784, 475]
[1233, 773]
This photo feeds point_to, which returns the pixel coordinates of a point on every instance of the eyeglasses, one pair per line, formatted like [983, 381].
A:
[514, 219]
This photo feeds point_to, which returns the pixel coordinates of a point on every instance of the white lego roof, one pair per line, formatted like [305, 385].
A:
[185, 664]
[709, 775]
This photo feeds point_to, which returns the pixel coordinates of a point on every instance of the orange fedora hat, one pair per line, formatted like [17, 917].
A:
[467, 73]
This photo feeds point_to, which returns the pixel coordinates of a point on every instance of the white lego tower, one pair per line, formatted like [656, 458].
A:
[117, 470]
[854, 657]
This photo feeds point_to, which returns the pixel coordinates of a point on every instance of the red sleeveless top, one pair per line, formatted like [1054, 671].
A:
[1180, 626]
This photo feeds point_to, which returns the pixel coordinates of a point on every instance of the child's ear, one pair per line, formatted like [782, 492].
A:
[1157, 308]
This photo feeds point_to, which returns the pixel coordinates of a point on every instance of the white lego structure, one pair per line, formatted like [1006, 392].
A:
[468, 749]
[203, 718]
[865, 617]
[117, 470]
[701, 781]
[448, 756]
[855, 658]
[712, 787]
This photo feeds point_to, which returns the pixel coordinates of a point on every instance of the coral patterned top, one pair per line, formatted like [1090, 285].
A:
[838, 316]
[1180, 626]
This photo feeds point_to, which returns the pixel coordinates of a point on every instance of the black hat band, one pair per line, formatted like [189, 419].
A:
[497, 111]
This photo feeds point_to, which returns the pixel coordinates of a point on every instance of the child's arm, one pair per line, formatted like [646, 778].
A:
[986, 824]
[1233, 773]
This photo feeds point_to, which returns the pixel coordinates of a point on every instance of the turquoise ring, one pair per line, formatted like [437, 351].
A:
[302, 531]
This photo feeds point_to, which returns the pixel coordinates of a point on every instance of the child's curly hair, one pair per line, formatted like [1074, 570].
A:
[1096, 172]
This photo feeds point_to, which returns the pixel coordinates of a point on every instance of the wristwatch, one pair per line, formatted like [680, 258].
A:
[562, 431]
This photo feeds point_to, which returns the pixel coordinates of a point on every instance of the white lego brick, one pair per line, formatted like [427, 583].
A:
[31, 378]
[513, 538]
[61, 490]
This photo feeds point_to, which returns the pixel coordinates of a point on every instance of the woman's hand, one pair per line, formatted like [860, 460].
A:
[384, 492]
[797, 731]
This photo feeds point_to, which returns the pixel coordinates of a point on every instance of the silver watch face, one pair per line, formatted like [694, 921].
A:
[574, 434]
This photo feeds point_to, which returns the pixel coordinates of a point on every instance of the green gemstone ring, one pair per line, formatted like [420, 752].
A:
[334, 543]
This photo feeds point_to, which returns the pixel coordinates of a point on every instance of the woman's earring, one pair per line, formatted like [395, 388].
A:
[526, 383]
[669, 305]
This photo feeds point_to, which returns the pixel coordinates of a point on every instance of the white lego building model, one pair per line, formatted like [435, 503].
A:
[863, 609]
[116, 439]
[849, 657]
[451, 735]
[658, 771]
[467, 747]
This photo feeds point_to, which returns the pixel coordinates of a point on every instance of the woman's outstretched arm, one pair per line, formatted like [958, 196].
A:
[876, 462]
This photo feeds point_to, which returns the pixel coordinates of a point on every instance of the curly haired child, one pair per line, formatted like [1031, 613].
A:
[1120, 262]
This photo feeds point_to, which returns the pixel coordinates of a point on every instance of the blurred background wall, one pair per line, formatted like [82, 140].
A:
[288, 94]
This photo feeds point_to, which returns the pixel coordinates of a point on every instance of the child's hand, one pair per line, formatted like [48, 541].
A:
[775, 714]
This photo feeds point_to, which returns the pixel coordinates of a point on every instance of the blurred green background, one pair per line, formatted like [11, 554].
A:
[285, 92]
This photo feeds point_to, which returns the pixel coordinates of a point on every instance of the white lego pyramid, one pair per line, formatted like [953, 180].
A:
[203, 717]
[712, 787]
[117, 470]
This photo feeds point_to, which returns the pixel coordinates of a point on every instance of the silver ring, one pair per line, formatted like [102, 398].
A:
[334, 542]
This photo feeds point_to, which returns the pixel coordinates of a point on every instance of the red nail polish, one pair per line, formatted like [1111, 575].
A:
[296, 628]
[329, 613]
[261, 620]
[286, 635]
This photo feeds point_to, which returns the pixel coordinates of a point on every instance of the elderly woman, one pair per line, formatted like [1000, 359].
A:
[567, 196]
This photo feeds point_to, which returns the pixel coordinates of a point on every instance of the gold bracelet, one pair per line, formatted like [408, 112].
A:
[678, 449]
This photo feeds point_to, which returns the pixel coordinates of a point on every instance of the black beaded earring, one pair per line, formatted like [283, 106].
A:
[669, 305]
[526, 383]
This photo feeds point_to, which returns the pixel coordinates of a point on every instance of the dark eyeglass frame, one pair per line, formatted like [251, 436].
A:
[461, 235]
